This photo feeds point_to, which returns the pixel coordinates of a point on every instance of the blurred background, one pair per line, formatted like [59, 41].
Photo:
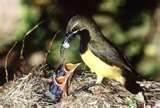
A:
[133, 25]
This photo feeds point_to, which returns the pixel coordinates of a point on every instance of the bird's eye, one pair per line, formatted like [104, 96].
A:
[75, 29]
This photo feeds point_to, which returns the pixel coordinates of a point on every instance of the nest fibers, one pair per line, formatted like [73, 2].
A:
[28, 92]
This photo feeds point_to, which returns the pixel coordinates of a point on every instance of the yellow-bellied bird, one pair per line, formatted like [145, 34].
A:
[99, 54]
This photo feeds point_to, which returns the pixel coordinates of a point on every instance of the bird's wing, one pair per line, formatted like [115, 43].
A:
[108, 53]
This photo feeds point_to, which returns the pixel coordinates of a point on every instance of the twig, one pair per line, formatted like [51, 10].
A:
[22, 49]
[6, 60]
[50, 45]
[25, 36]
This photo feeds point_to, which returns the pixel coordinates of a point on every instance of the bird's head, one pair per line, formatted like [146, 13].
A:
[75, 26]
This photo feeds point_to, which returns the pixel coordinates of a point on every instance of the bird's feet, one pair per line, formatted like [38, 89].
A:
[99, 79]
[141, 97]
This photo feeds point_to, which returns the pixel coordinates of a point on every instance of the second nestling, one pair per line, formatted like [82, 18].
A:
[60, 84]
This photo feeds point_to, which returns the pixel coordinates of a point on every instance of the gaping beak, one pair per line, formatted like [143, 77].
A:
[64, 81]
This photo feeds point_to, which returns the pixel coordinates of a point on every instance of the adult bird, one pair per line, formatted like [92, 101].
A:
[100, 54]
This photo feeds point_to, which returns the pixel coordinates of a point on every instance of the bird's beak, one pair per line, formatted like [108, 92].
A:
[64, 81]
[70, 67]
[67, 38]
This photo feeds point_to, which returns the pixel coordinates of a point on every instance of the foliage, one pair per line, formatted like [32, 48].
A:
[128, 23]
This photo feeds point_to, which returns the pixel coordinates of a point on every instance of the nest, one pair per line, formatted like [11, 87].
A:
[29, 91]
[25, 91]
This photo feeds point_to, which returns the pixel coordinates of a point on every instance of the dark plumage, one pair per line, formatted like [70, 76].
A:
[96, 44]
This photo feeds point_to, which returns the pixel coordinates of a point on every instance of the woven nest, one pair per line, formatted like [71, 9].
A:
[29, 91]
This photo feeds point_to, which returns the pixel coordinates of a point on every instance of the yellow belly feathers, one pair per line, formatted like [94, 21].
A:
[101, 68]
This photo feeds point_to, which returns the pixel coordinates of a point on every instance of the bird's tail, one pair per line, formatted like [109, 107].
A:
[132, 86]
